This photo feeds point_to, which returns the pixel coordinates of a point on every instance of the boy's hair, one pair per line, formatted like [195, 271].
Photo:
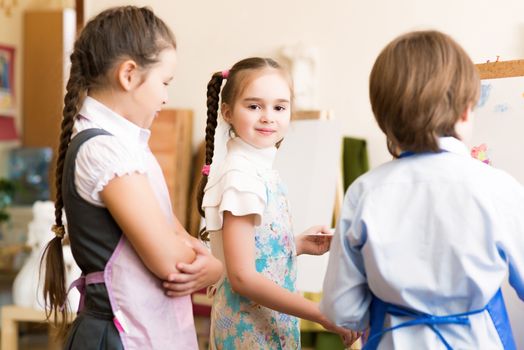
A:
[420, 85]
[237, 79]
[114, 35]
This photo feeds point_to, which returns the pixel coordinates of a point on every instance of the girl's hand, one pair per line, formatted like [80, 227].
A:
[348, 336]
[314, 241]
[205, 270]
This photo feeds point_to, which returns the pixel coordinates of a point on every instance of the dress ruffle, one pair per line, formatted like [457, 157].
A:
[236, 187]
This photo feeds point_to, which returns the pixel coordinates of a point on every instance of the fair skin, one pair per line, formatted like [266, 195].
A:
[260, 116]
[138, 95]
[464, 126]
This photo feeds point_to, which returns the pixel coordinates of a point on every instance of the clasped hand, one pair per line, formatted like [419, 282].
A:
[202, 272]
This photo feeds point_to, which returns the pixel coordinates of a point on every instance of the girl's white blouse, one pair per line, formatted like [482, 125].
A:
[236, 184]
[102, 158]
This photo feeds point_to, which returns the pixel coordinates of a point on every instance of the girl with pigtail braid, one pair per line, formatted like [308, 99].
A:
[54, 283]
[138, 263]
[213, 98]
[243, 201]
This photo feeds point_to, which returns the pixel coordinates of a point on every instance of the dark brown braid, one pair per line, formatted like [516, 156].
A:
[213, 93]
[54, 285]
[119, 33]
[237, 78]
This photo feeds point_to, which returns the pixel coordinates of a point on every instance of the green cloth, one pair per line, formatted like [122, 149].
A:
[329, 341]
[321, 341]
[354, 159]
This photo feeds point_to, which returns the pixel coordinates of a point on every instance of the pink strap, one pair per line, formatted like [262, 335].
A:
[81, 283]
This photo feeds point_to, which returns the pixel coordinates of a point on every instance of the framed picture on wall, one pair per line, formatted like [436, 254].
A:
[7, 77]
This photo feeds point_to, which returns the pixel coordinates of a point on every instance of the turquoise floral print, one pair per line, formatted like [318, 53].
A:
[239, 323]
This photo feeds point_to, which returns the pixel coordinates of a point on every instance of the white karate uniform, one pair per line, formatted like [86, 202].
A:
[432, 232]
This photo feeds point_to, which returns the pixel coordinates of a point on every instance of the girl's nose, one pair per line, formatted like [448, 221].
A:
[267, 117]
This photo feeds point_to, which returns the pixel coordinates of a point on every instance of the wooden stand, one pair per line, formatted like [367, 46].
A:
[13, 315]
[170, 142]
[501, 69]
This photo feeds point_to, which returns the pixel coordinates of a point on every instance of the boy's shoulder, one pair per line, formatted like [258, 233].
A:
[379, 174]
[370, 179]
[447, 168]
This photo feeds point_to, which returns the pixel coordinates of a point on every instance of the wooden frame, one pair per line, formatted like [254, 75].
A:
[79, 7]
[13, 315]
[501, 69]
[7, 78]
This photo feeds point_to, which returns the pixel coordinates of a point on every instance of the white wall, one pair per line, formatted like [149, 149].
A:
[349, 34]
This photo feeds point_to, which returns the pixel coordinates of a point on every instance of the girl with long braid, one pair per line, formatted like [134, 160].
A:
[247, 217]
[120, 223]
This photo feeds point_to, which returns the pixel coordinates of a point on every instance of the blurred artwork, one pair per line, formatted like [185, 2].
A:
[302, 61]
[29, 171]
[481, 153]
[7, 91]
[7, 129]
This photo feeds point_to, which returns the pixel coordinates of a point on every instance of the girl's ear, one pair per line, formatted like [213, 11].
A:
[226, 112]
[127, 74]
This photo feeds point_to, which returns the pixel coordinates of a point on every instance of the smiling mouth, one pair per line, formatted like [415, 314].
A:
[265, 131]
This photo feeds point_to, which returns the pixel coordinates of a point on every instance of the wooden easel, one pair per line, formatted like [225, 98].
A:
[503, 137]
[501, 69]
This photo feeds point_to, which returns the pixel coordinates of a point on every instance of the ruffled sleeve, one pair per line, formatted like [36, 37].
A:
[101, 159]
[237, 188]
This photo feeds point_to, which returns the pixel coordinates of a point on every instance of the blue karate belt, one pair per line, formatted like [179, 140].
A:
[379, 309]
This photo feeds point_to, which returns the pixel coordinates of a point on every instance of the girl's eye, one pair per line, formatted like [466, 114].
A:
[280, 108]
[166, 84]
[254, 107]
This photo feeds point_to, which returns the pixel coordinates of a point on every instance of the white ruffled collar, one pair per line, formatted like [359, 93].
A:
[262, 157]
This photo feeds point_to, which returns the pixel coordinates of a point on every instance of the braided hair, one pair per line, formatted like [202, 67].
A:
[236, 79]
[126, 32]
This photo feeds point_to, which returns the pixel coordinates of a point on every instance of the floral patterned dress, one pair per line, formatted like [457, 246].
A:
[239, 323]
